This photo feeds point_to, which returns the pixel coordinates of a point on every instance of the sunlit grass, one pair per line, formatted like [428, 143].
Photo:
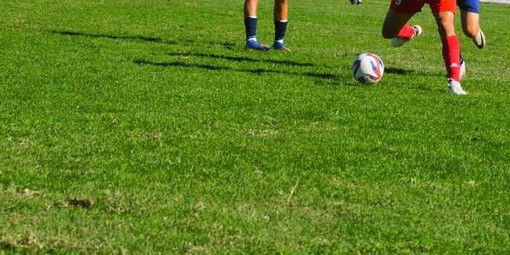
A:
[145, 127]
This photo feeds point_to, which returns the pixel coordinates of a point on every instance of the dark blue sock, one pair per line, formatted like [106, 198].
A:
[280, 27]
[250, 25]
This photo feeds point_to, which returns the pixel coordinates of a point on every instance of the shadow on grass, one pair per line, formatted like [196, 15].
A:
[225, 68]
[142, 38]
[228, 45]
[400, 71]
[397, 70]
[394, 70]
[115, 37]
[242, 59]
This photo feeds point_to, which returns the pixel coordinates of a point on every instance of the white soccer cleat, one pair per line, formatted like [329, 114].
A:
[455, 88]
[479, 40]
[462, 67]
[397, 42]
[417, 30]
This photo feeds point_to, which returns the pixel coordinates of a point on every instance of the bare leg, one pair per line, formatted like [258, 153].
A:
[470, 23]
[250, 8]
[281, 10]
[393, 22]
[471, 28]
[445, 23]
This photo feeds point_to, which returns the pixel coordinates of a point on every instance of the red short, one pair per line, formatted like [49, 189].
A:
[413, 6]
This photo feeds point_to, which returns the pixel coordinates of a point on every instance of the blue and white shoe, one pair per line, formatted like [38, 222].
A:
[255, 45]
[280, 46]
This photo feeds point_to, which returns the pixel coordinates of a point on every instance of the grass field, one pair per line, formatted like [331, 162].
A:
[141, 127]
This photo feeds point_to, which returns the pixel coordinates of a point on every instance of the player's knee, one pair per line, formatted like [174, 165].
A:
[471, 31]
[445, 23]
[446, 28]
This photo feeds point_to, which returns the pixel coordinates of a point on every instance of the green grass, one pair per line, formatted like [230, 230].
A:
[131, 126]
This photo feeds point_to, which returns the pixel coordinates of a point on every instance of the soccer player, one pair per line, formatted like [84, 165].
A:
[395, 27]
[280, 25]
[470, 16]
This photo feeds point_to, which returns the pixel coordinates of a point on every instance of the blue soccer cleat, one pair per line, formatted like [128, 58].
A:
[255, 45]
[280, 46]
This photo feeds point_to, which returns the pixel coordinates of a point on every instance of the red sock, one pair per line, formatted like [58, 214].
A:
[406, 32]
[451, 57]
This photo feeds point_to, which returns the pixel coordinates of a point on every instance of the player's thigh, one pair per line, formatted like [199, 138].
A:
[393, 22]
[400, 12]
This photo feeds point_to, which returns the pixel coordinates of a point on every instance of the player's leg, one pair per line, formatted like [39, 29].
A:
[471, 27]
[395, 25]
[444, 13]
[250, 25]
[281, 21]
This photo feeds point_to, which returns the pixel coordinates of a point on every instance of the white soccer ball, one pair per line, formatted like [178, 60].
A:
[368, 68]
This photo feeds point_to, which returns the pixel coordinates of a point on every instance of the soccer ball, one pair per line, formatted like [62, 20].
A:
[368, 68]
